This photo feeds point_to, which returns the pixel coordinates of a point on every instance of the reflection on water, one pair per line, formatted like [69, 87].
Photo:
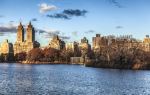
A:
[17, 79]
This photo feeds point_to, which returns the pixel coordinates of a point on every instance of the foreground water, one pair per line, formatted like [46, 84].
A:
[17, 79]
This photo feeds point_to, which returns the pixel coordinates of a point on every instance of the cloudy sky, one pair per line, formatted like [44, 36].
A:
[74, 19]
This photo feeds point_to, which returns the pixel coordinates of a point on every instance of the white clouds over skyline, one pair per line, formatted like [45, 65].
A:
[9, 27]
[44, 7]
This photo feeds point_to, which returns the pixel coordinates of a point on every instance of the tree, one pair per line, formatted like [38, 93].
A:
[51, 54]
[36, 54]
[20, 56]
[65, 55]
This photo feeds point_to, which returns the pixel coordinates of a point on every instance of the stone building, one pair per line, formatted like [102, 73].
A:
[146, 43]
[57, 43]
[22, 45]
[96, 41]
[99, 42]
[125, 41]
[85, 47]
[72, 46]
[6, 50]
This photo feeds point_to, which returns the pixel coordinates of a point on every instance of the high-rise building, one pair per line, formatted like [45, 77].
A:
[96, 41]
[72, 46]
[22, 45]
[30, 33]
[84, 45]
[100, 42]
[146, 43]
[57, 43]
[6, 51]
[20, 33]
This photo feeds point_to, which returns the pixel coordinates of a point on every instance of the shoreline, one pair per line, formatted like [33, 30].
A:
[106, 66]
[56, 62]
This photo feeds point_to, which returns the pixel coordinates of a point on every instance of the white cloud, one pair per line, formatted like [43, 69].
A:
[48, 30]
[45, 7]
[48, 33]
[9, 27]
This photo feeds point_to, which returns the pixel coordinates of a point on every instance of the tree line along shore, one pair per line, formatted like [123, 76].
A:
[121, 58]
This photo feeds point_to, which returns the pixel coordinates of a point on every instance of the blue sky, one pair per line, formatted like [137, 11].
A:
[117, 17]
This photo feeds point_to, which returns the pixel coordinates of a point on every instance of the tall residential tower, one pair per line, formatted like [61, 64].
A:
[22, 45]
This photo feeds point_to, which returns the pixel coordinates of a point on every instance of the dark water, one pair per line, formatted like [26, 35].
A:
[17, 79]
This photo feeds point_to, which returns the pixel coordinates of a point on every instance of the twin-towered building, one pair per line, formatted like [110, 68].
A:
[22, 44]
[25, 44]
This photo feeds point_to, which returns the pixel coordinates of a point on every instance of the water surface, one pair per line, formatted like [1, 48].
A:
[17, 79]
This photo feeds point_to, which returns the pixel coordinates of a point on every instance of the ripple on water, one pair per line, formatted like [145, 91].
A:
[17, 79]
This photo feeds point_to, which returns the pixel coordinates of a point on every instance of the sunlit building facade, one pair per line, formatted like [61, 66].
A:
[6, 50]
[22, 45]
[57, 43]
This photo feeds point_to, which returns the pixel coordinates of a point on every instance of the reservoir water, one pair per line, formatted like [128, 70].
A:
[18, 79]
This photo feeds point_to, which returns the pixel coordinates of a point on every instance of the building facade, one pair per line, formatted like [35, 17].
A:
[99, 42]
[72, 46]
[85, 47]
[146, 43]
[22, 45]
[96, 41]
[6, 51]
[57, 43]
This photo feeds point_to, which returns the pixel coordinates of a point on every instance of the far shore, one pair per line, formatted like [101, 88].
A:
[38, 62]
[55, 62]
[106, 66]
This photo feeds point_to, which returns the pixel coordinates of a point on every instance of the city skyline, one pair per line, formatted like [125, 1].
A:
[72, 20]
